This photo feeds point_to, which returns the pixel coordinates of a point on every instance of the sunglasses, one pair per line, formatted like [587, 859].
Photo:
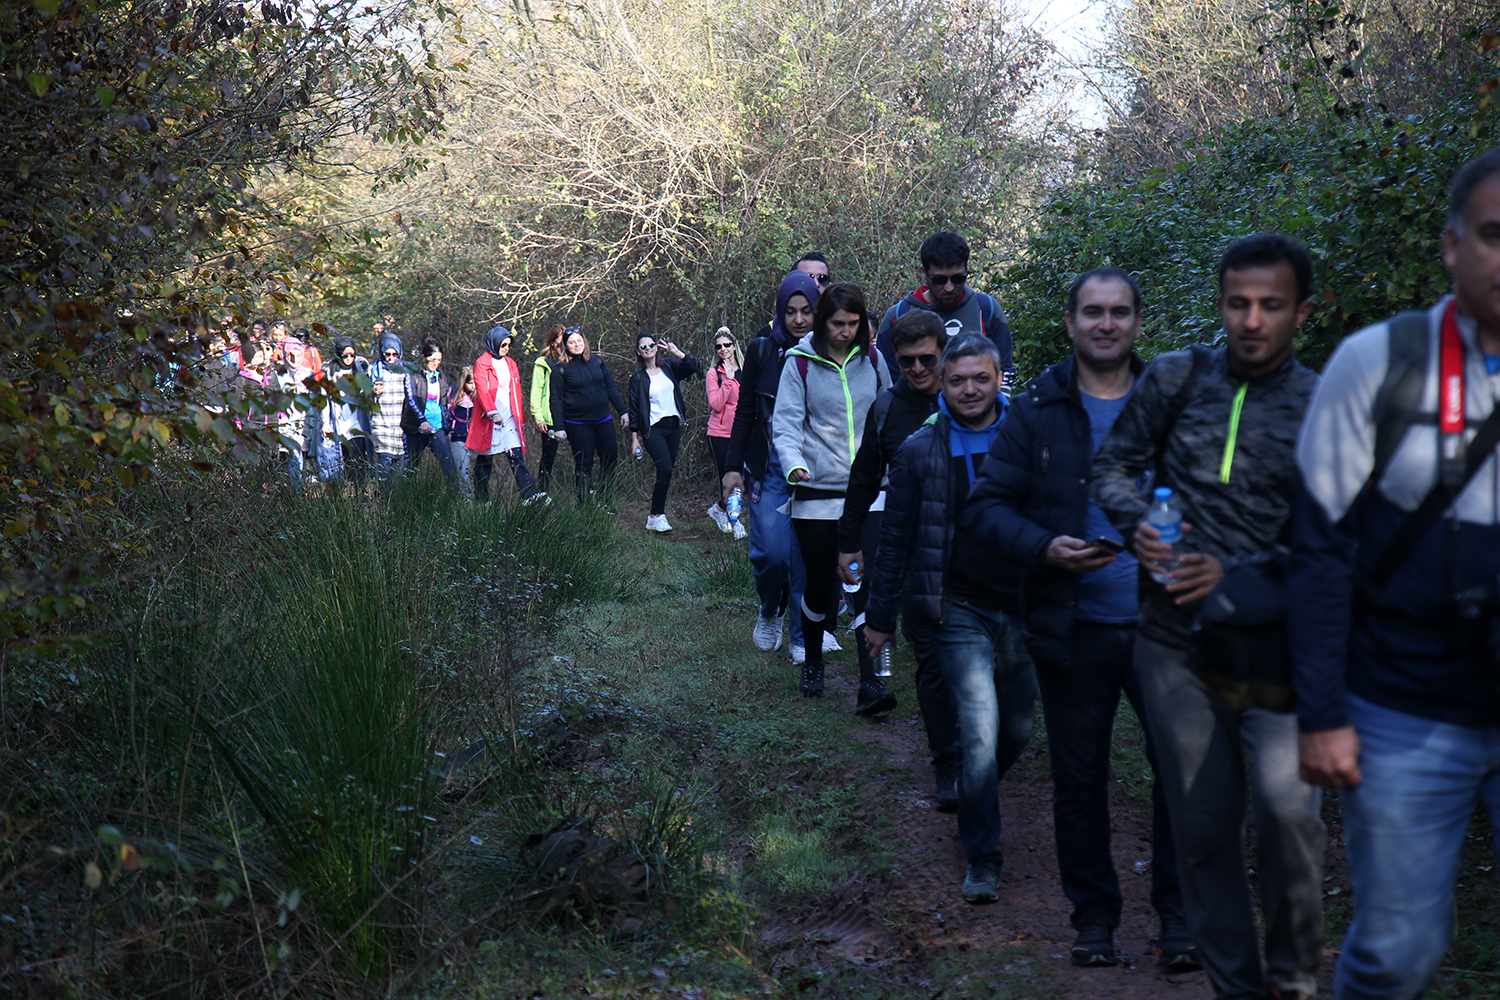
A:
[390, 354]
[912, 360]
[723, 347]
[643, 348]
[943, 280]
[572, 330]
[347, 354]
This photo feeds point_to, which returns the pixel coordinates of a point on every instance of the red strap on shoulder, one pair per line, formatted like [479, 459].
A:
[1450, 399]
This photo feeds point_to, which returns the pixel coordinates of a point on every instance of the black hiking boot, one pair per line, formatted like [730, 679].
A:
[1095, 945]
[811, 685]
[947, 785]
[1174, 948]
[874, 699]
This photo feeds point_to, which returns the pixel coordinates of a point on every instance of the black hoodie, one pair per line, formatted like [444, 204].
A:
[898, 412]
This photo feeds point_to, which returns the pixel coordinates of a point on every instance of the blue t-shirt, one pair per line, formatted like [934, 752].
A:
[1492, 363]
[433, 411]
[1107, 595]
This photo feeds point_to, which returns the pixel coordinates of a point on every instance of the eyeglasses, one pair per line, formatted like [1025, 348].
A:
[943, 280]
[912, 360]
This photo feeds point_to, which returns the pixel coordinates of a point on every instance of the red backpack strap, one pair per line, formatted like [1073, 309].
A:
[802, 367]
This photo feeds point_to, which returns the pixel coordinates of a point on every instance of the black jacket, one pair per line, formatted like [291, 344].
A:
[639, 391]
[750, 437]
[414, 413]
[583, 391]
[1034, 487]
[918, 532]
[896, 415]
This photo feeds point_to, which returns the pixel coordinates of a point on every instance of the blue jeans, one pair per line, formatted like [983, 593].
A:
[1406, 824]
[993, 685]
[1079, 700]
[775, 559]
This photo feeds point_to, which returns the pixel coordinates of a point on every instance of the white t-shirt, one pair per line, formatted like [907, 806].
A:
[504, 434]
[663, 401]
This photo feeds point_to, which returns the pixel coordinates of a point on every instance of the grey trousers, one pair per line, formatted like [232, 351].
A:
[1202, 746]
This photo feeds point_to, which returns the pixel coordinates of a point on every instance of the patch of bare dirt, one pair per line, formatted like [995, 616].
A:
[1032, 910]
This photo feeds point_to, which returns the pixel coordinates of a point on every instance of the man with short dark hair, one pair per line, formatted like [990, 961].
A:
[815, 266]
[1031, 505]
[959, 597]
[945, 290]
[1394, 616]
[899, 411]
[1219, 428]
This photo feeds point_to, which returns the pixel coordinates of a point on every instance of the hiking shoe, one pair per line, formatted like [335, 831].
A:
[720, 518]
[540, 498]
[657, 522]
[982, 882]
[811, 685]
[1174, 948]
[831, 642]
[739, 530]
[947, 787]
[1095, 945]
[767, 633]
[874, 698]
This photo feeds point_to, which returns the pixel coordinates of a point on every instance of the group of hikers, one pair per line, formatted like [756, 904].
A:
[1294, 578]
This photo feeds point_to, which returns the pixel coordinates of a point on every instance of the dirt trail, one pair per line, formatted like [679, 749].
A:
[1032, 908]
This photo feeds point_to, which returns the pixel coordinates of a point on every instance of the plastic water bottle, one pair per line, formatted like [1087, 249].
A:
[883, 659]
[852, 588]
[735, 505]
[1165, 516]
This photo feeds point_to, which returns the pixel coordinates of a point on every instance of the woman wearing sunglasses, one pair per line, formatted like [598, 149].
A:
[723, 397]
[656, 412]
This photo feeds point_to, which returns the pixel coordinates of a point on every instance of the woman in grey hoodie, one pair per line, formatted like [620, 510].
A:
[828, 384]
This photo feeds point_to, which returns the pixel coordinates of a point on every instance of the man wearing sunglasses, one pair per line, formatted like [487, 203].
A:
[1030, 505]
[815, 266]
[945, 290]
[896, 415]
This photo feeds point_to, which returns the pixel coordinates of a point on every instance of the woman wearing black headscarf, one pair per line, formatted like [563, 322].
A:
[346, 427]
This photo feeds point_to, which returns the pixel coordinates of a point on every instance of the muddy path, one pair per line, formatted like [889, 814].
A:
[932, 918]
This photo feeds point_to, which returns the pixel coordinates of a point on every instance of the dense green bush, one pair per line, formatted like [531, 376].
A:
[1366, 193]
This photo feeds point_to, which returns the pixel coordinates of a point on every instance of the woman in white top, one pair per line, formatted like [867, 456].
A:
[656, 413]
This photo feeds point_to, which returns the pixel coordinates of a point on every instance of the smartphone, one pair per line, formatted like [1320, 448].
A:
[1108, 543]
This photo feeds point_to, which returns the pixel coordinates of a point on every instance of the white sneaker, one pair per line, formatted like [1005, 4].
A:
[767, 632]
[739, 530]
[799, 653]
[831, 643]
[720, 518]
[657, 522]
[540, 498]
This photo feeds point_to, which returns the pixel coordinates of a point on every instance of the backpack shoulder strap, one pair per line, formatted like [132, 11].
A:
[1400, 394]
[1202, 356]
[882, 410]
[802, 367]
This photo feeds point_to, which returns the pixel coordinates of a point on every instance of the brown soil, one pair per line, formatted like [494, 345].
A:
[931, 916]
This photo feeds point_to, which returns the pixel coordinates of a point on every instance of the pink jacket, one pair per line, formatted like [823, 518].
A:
[723, 397]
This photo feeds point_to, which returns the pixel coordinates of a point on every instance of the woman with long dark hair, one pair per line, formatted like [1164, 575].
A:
[723, 398]
[548, 361]
[426, 392]
[582, 392]
[460, 410]
[829, 382]
[656, 412]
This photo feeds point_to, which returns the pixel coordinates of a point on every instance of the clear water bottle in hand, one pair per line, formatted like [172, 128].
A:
[883, 659]
[735, 505]
[1166, 517]
[852, 588]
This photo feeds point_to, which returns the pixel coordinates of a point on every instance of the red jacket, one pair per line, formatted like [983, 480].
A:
[486, 385]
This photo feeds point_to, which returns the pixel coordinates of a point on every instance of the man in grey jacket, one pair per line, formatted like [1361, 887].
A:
[1220, 429]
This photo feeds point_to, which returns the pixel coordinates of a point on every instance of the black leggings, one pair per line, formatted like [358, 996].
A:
[549, 455]
[585, 440]
[819, 542]
[720, 448]
[661, 445]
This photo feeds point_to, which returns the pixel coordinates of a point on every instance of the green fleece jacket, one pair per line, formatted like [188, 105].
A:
[820, 420]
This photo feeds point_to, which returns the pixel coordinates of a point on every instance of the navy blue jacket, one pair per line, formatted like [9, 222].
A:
[1034, 487]
[918, 532]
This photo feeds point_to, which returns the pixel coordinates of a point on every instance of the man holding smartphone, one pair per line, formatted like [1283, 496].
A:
[1031, 505]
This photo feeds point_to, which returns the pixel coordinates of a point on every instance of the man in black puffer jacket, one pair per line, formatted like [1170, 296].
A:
[919, 338]
[962, 598]
[1032, 504]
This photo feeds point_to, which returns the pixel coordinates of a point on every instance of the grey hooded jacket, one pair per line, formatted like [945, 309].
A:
[820, 419]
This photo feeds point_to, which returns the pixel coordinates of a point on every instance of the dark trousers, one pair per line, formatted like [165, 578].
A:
[586, 440]
[719, 447]
[662, 445]
[549, 455]
[819, 542]
[1079, 700]
[938, 714]
[483, 465]
[439, 443]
